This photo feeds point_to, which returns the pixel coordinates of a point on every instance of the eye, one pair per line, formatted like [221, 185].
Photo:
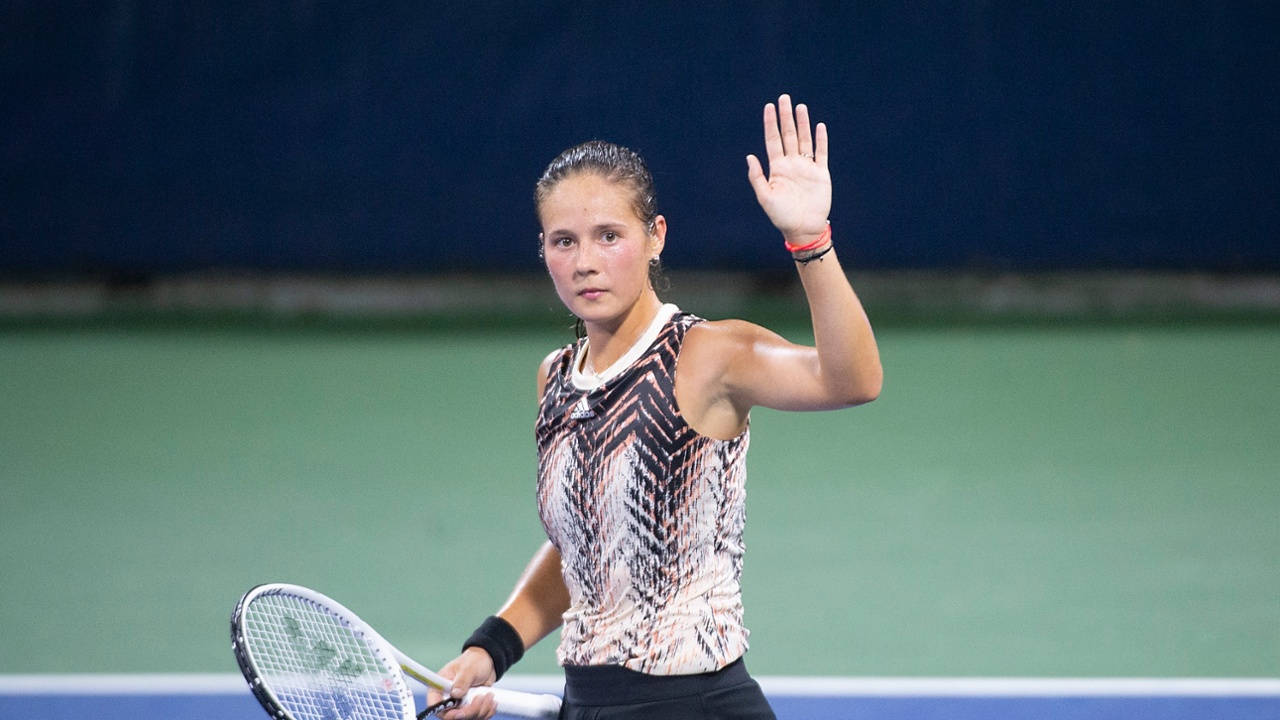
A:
[609, 236]
[562, 241]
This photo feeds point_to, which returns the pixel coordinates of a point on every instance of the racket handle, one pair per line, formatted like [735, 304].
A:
[522, 704]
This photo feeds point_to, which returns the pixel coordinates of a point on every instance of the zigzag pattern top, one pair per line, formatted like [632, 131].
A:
[647, 515]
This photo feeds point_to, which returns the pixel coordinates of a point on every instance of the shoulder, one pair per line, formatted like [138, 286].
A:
[737, 356]
[713, 348]
[711, 360]
[724, 338]
[549, 364]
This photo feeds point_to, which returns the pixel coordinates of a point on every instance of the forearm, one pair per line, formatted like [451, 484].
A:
[539, 599]
[847, 356]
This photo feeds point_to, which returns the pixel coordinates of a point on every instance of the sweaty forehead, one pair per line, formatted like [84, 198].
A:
[587, 197]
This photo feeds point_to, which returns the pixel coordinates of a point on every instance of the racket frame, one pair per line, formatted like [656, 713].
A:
[385, 652]
[509, 701]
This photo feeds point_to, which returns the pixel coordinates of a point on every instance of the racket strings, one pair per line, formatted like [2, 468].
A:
[318, 667]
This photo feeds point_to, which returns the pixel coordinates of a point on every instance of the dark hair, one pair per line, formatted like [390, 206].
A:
[614, 163]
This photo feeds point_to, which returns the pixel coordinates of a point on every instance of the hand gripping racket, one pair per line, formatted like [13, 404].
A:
[306, 657]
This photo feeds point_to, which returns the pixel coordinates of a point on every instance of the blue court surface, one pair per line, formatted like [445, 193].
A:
[225, 697]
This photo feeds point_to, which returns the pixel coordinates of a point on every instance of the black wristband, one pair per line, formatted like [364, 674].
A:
[496, 637]
[816, 256]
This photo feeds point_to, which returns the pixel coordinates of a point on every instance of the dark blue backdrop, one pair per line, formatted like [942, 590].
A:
[145, 137]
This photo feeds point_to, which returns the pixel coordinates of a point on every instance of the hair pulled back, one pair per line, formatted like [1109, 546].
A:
[612, 162]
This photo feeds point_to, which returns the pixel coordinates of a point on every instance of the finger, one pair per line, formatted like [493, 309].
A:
[485, 707]
[454, 714]
[434, 694]
[772, 139]
[820, 145]
[462, 682]
[480, 707]
[803, 132]
[755, 176]
[457, 712]
[787, 125]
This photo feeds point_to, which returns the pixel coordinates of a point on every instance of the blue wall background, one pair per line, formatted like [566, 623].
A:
[156, 137]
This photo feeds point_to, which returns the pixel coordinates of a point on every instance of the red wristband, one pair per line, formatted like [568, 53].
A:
[822, 239]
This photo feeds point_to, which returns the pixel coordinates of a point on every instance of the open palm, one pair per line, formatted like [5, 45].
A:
[796, 194]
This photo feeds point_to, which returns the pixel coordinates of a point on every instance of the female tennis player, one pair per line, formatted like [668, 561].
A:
[642, 435]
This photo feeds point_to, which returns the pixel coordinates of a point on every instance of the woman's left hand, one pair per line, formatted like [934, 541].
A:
[796, 195]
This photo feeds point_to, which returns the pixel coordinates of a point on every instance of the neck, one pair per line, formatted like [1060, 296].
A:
[610, 340]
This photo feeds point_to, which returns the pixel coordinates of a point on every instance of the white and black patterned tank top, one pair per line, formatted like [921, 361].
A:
[646, 512]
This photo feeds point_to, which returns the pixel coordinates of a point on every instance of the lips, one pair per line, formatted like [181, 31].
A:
[590, 293]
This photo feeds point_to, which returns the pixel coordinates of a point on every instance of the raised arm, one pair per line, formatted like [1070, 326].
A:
[844, 366]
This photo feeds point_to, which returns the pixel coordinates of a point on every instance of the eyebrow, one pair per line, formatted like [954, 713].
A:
[597, 229]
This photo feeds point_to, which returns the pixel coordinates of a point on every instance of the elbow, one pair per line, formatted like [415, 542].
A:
[865, 388]
[872, 394]
[866, 394]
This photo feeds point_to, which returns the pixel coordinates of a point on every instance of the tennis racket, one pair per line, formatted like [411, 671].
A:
[306, 657]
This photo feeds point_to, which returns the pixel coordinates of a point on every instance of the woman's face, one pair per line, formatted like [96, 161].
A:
[596, 248]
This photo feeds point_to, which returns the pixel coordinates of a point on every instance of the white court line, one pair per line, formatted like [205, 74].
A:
[228, 684]
[121, 684]
[1019, 687]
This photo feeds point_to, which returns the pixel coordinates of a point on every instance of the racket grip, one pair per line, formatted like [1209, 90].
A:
[521, 704]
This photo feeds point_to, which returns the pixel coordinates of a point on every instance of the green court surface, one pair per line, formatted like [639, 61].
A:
[1023, 500]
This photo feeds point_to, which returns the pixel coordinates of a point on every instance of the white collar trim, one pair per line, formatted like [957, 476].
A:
[589, 382]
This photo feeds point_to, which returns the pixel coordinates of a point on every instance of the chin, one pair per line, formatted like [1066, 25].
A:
[594, 312]
[594, 316]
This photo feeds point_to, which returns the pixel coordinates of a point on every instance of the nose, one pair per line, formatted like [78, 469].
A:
[586, 259]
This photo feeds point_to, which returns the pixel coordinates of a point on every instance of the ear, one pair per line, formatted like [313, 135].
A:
[658, 236]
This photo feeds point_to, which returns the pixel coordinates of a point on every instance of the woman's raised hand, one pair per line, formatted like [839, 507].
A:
[796, 195]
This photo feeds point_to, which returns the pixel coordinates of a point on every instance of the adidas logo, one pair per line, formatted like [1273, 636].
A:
[582, 411]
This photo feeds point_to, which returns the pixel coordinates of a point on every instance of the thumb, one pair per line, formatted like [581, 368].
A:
[462, 682]
[755, 175]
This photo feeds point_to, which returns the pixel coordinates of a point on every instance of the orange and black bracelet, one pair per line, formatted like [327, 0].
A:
[816, 256]
[824, 237]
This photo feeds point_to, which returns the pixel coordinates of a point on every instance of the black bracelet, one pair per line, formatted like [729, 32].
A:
[815, 256]
[496, 637]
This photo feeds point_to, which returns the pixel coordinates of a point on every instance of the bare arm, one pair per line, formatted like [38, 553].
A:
[843, 368]
[539, 599]
[534, 609]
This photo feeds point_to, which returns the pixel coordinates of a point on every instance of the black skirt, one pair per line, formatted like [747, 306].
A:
[612, 692]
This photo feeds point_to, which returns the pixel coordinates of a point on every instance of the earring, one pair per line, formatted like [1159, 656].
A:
[654, 261]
